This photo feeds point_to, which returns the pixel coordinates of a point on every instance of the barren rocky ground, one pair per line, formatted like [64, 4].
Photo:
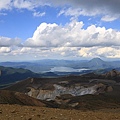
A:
[18, 112]
[15, 104]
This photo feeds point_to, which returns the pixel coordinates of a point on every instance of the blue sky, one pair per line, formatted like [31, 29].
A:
[33, 29]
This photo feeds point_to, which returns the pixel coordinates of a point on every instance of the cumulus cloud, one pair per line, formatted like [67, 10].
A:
[68, 41]
[73, 35]
[66, 51]
[38, 53]
[105, 52]
[6, 42]
[46, 35]
[28, 53]
[5, 49]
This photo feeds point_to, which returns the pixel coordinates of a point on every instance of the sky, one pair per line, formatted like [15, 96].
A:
[59, 29]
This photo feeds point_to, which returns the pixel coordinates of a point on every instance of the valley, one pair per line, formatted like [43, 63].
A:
[59, 60]
[91, 91]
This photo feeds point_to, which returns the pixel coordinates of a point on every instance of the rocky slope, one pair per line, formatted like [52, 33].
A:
[72, 91]
[75, 90]
[113, 74]
[10, 97]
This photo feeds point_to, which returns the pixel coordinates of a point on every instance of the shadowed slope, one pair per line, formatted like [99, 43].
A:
[10, 97]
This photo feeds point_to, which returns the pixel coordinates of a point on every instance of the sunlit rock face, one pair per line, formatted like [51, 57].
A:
[112, 73]
[60, 90]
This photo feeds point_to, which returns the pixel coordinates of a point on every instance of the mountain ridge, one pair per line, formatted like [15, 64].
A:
[106, 91]
[46, 65]
[12, 97]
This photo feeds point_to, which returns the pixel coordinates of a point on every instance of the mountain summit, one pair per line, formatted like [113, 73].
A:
[97, 63]
[96, 60]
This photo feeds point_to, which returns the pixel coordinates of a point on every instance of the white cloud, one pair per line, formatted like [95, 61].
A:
[76, 7]
[25, 4]
[85, 52]
[28, 53]
[5, 4]
[21, 4]
[5, 49]
[70, 40]
[6, 42]
[108, 10]
[73, 35]
[46, 35]
[39, 14]
[105, 52]
[109, 18]
[76, 12]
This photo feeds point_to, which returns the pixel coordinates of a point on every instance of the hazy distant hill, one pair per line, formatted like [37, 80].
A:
[97, 63]
[15, 71]
[42, 65]
[10, 75]
[47, 65]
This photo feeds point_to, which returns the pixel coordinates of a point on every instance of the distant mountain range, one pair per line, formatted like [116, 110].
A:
[84, 85]
[48, 65]
[10, 75]
[11, 72]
